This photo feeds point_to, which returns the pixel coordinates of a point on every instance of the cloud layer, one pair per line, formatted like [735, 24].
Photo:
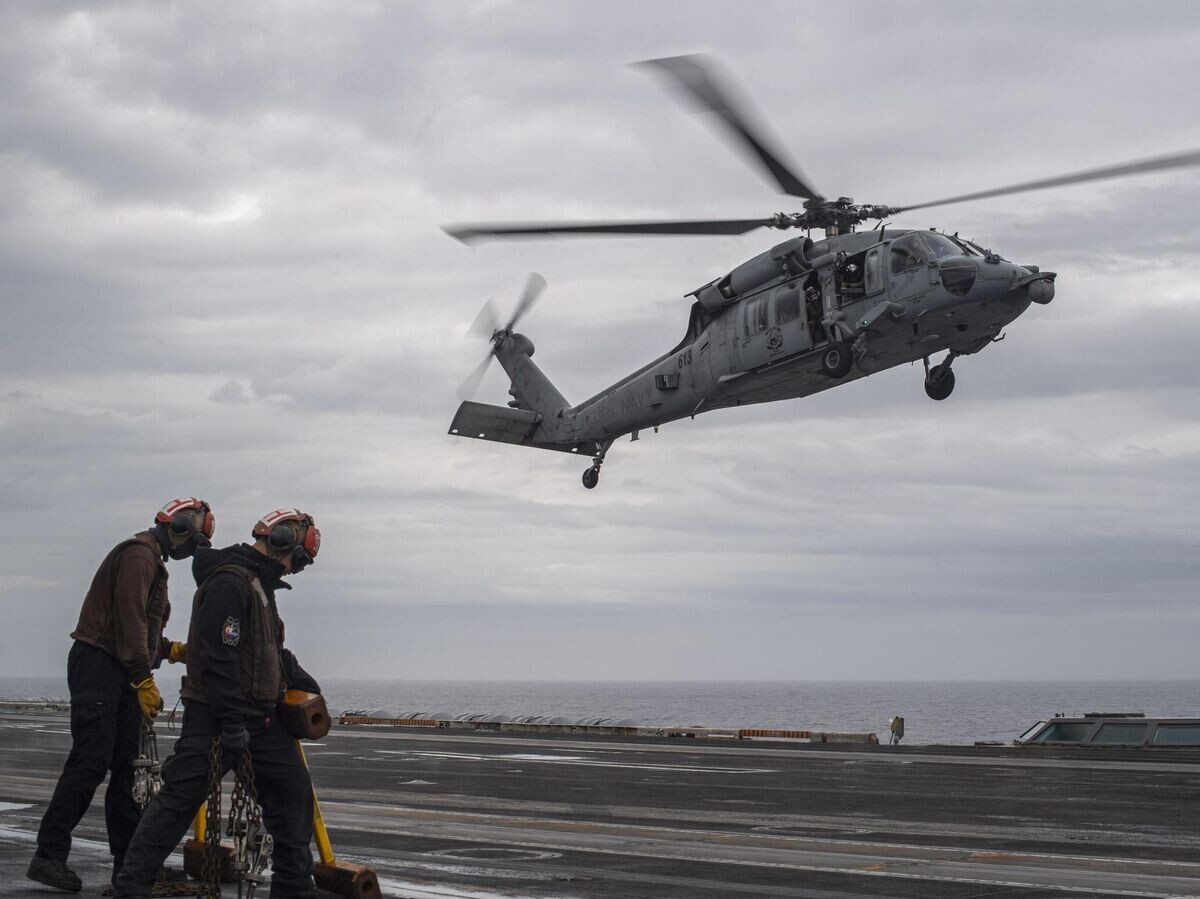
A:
[222, 275]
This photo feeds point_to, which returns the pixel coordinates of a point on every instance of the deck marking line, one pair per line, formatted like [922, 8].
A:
[573, 760]
[943, 878]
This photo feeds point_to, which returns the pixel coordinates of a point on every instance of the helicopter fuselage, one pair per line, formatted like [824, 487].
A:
[880, 298]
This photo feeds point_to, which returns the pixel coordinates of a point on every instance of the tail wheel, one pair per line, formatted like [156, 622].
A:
[836, 360]
[591, 477]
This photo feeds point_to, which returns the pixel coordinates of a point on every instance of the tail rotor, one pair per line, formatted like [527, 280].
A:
[487, 324]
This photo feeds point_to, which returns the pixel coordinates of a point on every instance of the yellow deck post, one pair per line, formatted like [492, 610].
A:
[343, 878]
[324, 847]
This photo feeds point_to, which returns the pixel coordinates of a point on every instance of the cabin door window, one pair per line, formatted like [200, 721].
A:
[790, 320]
[758, 335]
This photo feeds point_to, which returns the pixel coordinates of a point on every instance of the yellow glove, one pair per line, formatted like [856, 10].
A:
[178, 652]
[149, 698]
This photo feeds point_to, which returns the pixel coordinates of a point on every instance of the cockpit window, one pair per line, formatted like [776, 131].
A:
[941, 245]
[907, 254]
[958, 276]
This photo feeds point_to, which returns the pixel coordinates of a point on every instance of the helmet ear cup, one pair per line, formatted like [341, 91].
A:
[282, 537]
[179, 519]
[290, 531]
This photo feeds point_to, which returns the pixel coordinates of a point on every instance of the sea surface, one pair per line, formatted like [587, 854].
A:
[934, 711]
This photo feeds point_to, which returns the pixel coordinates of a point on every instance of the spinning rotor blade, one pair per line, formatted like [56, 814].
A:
[696, 75]
[468, 233]
[487, 322]
[468, 388]
[1154, 164]
[533, 289]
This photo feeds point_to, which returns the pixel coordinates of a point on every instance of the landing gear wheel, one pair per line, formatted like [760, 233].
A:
[591, 477]
[836, 360]
[939, 383]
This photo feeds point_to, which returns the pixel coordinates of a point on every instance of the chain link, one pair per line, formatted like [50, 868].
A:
[210, 882]
[252, 844]
[147, 770]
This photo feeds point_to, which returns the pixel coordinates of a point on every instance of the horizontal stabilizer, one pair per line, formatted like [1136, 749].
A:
[499, 423]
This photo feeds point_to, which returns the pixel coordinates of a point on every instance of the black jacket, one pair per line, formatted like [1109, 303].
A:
[215, 651]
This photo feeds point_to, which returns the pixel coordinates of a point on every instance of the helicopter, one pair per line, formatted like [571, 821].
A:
[800, 317]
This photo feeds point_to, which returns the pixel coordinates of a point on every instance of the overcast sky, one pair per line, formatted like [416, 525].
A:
[222, 275]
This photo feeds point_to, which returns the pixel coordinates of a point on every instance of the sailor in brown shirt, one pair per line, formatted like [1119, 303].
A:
[118, 641]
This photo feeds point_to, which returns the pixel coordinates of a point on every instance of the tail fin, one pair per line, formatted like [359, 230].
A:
[534, 418]
[531, 388]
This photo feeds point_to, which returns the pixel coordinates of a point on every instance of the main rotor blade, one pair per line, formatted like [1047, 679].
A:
[533, 289]
[696, 75]
[468, 388]
[1154, 164]
[468, 233]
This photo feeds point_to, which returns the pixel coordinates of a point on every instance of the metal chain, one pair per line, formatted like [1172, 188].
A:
[147, 781]
[187, 888]
[210, 884]
[252, 844]
[147, 771]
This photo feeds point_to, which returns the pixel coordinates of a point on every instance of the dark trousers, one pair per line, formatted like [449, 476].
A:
[284, 791]
[105, 722]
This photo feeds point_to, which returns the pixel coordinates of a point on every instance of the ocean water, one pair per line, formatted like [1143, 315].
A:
[933, 711]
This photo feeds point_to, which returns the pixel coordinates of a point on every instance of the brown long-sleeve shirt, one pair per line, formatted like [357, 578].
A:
[126, 606]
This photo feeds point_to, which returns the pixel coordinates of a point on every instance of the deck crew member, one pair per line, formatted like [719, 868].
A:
[813, 314]
[118, 641]
[238, 672]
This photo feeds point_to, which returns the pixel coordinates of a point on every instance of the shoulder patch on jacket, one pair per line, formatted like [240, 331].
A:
[231, 632]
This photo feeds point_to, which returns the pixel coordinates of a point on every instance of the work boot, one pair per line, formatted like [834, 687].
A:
[54, 873]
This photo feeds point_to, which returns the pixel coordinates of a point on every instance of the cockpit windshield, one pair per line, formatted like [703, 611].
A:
[942, 245]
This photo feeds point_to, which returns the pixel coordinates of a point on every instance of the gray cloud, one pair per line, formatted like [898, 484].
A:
[222, 274]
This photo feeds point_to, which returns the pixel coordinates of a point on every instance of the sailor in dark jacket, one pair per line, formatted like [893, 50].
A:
[118, 641]
[238, 671]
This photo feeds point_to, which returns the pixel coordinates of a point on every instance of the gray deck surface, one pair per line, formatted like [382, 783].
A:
[473, 814]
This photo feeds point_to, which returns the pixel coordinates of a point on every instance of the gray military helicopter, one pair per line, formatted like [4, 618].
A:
[798, 318]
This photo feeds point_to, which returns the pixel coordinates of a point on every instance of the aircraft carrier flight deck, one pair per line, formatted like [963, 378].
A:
[459, 813]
